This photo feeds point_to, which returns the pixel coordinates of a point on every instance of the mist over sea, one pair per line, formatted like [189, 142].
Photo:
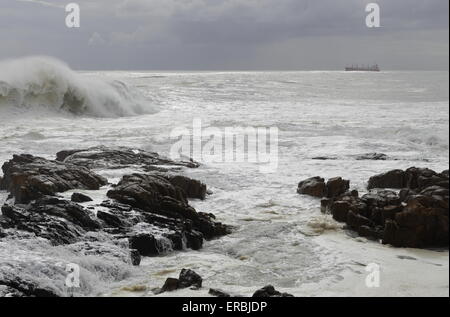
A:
[280, 237]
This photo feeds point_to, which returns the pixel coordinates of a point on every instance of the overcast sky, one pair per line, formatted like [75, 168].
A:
[229, 34]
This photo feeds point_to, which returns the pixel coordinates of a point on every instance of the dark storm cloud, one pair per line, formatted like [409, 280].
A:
[229, 34]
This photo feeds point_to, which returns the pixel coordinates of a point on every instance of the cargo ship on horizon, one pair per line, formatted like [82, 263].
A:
[357, 68]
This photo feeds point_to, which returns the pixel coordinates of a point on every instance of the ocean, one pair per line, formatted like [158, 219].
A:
[279, 237]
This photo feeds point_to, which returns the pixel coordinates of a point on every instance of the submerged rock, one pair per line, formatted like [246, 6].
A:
[28, 178]
[187, 278]
[218, 293]
[372, 157]
[269, 291]
[80, 198]
[117, 157]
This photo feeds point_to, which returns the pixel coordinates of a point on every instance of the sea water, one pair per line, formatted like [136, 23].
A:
[279, 237]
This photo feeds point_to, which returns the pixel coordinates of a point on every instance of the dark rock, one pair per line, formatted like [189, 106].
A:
[80, 198]
[324, 158]
[416, 217]
[191, 187]
[391, 179]
[28, 178]
[15, 286]
[417, 178]
[60, 223]
[339, 210]
[420, 224]
[372, 156]
[355, 221]
[189, 278]
[405, 193]
[145, 244]
[135, 257]
[390, 211]
[177, 240]
[381, 198]
[337, 186]
[154, 194]
[110, 219]
[218, 293]
[314, 186]
[194, 239]
[325, 205]
[370, 232]
[413, 178]
[117, 157]
[269, 291]
[170, 285]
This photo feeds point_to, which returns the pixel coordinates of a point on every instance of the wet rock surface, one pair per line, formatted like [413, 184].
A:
[316, 187]
[117, 157]
[155, 194]
[80, 198]
[28, 178]
[270, 291]
[187, 278]
[416, 217]
[149, 212]
[59, 221]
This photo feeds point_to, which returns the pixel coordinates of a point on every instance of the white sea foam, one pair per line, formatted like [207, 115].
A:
[46, 82]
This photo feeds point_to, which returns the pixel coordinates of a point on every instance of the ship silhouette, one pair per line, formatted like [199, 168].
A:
[353, 68]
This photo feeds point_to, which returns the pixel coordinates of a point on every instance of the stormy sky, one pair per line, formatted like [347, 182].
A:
[229, 34]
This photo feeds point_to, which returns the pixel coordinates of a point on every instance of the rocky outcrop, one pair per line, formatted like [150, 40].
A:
[337, 186]
[270, 291]
[59, 221]
[156, 195]
[218, 293]
[412, 178]
[372, 157]
[117, 157]
[80, 198]
[28, 178]
[15, 286]
[150, 210]
[191, 187]
[416, 217]
[186, 279]
[316, 187]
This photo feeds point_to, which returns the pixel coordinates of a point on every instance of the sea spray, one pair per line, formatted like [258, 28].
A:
[44, 82]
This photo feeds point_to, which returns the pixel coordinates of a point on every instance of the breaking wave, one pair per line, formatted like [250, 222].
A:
[46, 82]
